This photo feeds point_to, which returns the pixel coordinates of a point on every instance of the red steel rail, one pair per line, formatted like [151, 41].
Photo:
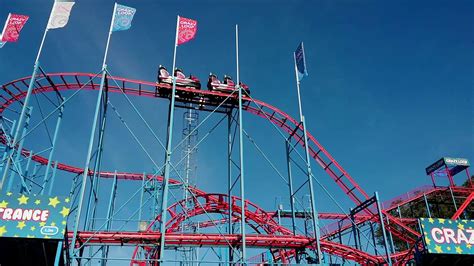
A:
[16, 90]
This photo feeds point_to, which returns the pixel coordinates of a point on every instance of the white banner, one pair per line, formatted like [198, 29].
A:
[60, 14]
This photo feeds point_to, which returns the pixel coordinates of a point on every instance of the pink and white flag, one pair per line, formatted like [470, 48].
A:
[186, 30]
[13, 26]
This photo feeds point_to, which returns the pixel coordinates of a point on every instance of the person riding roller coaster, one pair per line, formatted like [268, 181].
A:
[181, 80]
[214, 84]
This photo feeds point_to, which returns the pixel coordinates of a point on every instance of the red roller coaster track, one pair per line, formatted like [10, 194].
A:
[275, 235]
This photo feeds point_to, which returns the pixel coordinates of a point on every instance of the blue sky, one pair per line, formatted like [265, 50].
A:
[389, 91]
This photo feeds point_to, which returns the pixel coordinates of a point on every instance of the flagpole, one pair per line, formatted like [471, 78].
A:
[108, 39]
[91, 138]
[315, 219]
[41, 45]
[6, 23]
[21, 119]
[3, 43]
[241, 151]
[164, 194]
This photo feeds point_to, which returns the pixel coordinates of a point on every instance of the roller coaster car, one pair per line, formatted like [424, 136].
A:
[181, 79]
[214, 84]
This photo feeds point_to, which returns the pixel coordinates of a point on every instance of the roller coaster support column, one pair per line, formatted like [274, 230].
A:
[53, 147]
[166, 176]
[110, 211]
[392, 245]
[241, 151]
[16, 161]
[16, 144]
[452, 197]
[53, 177]
[339, 233]
[374, 242]
[57, 257]
[427, 206]
[229, 179]
[290, 187]
[91, 144]
[93, 190]
[355, 230]
[6, 152]
[89, 155]
[59, 249]
[314, 213]
[21, 119]
[142, 191]
[382, 226]
[28, 163]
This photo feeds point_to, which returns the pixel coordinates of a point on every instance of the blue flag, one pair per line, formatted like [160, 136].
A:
[300, 62]
[123, 16]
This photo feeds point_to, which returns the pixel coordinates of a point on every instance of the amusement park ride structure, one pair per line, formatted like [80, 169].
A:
[153, 225]
[344, 241]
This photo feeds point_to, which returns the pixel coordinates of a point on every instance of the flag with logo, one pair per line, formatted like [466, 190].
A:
[187, 29]
[60, 15]
[300, 62]
[122, 18]
[13, 26]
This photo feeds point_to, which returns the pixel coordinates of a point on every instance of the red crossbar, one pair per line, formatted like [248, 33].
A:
[463, 206]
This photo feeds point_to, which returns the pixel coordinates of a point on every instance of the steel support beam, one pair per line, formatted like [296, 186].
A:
[53, 148]
[382, 226]
[169, 149]
[23, 115]
[314, 213]
[241, 153]
[87, 162]
[229, 180]
[16, 161]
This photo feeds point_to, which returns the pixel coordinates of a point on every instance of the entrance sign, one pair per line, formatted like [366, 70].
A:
[445, 236]
[33, 216]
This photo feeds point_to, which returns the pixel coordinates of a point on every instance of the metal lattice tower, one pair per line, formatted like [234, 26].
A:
[190, 137]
